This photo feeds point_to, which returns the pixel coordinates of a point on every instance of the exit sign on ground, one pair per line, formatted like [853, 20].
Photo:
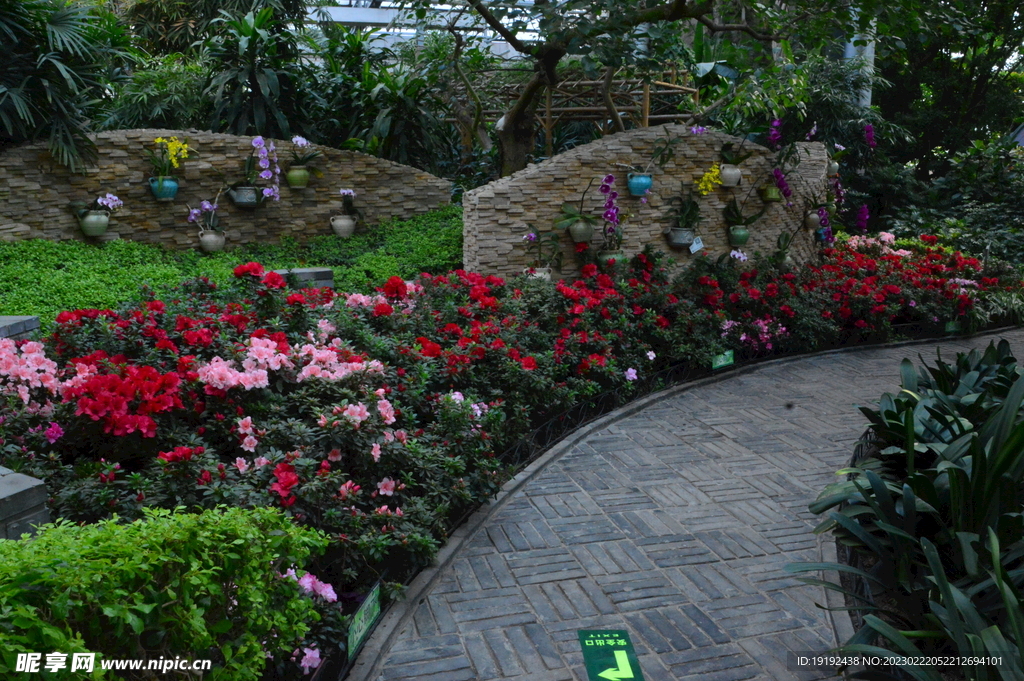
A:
[609, 655]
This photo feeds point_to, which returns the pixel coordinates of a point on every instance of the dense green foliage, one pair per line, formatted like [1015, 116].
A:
[43, 277]
[200, 586]
[932, 512]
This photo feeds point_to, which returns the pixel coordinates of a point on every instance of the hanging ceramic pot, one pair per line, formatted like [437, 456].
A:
[94, 222]
[343, 225]
[244, 197]
[731, 175]
[639, 183]
[298, 177]
[738, 235]
[211, 241]
[581, 231]
[812, 220]
[164, 187]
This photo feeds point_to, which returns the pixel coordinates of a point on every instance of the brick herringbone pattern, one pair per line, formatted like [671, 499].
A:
[674, 524]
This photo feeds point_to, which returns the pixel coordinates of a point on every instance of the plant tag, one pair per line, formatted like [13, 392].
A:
[362, 620]
[723, 360]
[952, 327]
[696, 245]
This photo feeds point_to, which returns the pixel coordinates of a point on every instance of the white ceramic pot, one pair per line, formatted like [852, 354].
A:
[581, 231]
[538, 273]
[94, 222]
[210, 241]
[343, 225]
[731, 175]
[812, 220]
[833, 168]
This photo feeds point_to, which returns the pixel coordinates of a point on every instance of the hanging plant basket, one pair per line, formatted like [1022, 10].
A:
[164, 187]
[731, 175]
[738, 235]
[298, 177]
[639, 183]
[245, 197]
[94, 222]
[581, 231]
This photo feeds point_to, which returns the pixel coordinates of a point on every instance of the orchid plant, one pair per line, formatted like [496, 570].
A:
[261, 164]
[547, 246]
[348, 206]
[206, 215]
[303, 154]
[108, 204]
[169, 154]
[612, 231]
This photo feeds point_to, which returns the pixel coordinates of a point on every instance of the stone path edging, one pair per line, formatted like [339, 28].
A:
[371, 659]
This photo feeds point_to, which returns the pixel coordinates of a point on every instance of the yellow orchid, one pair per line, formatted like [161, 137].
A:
[707, 182]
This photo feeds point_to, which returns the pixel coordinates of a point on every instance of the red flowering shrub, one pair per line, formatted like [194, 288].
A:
[377, 417]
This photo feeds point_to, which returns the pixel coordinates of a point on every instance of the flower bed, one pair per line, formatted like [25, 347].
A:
[378, 418]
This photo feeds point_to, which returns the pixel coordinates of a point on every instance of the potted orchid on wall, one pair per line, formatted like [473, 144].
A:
[300, 169]
[345, 224]
[211, 234]
[169, 154]
[261, 165]
[548, 249]
[610, 251]
[94, 218]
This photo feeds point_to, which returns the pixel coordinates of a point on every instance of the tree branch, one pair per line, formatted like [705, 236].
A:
[606, 93]
[744, 28]
[500, 28]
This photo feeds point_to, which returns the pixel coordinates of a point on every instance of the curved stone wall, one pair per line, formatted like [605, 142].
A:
[35, 191]
[498, 215]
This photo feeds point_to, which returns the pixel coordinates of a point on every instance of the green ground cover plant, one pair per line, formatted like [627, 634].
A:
[43, 278]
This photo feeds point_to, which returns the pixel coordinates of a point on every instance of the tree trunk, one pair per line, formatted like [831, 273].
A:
[517, 132]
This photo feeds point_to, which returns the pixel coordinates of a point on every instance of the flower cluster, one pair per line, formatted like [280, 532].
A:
[825, 225]
[171, 152]
[775, 133]
[612, 229]
[206, 214]
[266, 160]
[781, 183]
[108, 203]
[707, 182]
[869, 135]
[863, 215]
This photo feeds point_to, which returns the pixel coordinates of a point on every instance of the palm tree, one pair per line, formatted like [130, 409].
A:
[52, 75]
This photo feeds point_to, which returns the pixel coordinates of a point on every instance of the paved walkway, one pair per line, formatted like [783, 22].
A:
[674, 524]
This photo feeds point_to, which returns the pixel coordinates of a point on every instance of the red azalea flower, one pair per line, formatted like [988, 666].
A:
[429, 347]
[274, 280]
[382, 310]
[590, 269]
[295, 299]
[252, 268]
[529, 363]
[395, 287]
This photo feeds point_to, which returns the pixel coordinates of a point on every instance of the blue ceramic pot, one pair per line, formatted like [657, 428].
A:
[638, 183]
[164, 188]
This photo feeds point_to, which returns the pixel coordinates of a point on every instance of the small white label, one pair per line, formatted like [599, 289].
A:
[696, 245]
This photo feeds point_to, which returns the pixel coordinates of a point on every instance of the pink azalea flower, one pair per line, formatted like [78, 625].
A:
[308, 582]
[386, 487]
[387, 412]
[245, 426]
[310, 659]
[375, 452]
[334, 455]
[325, 591]
[261, 461]
[241, 464]
[401, 436]
[357, 413]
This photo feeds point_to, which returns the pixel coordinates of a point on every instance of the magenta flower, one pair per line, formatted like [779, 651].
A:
[53, 433]
[863, 215]
[869, 135]
[608, 179]
[775, 134]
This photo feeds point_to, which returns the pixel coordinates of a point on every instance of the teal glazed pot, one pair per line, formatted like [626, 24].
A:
[164, 188]
[639, 183]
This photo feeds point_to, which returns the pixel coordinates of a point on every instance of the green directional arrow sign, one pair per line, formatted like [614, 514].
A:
[609, 655]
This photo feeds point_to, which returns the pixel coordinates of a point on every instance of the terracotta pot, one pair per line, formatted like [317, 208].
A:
[343, 225]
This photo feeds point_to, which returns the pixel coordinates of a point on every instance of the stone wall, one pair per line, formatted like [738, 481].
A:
[22, 504]
[497, 215]
[35, 191]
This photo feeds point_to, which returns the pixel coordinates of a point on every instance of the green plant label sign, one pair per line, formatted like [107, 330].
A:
[609, 655]
[722, 360]
[364, 618]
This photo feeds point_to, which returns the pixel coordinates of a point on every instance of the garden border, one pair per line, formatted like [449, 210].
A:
[370, 660]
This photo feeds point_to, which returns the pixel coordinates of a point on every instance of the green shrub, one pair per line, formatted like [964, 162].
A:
[202, 586]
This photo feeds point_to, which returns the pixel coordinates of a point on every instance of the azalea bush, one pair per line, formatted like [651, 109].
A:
[379, 418]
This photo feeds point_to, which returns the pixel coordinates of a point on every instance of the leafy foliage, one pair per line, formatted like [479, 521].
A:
[53, 69]
[203, 586]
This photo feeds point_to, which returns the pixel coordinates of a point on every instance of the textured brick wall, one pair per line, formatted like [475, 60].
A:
[35, 191]
[497, 214]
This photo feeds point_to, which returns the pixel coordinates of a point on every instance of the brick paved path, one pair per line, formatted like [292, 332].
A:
[674, 524]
